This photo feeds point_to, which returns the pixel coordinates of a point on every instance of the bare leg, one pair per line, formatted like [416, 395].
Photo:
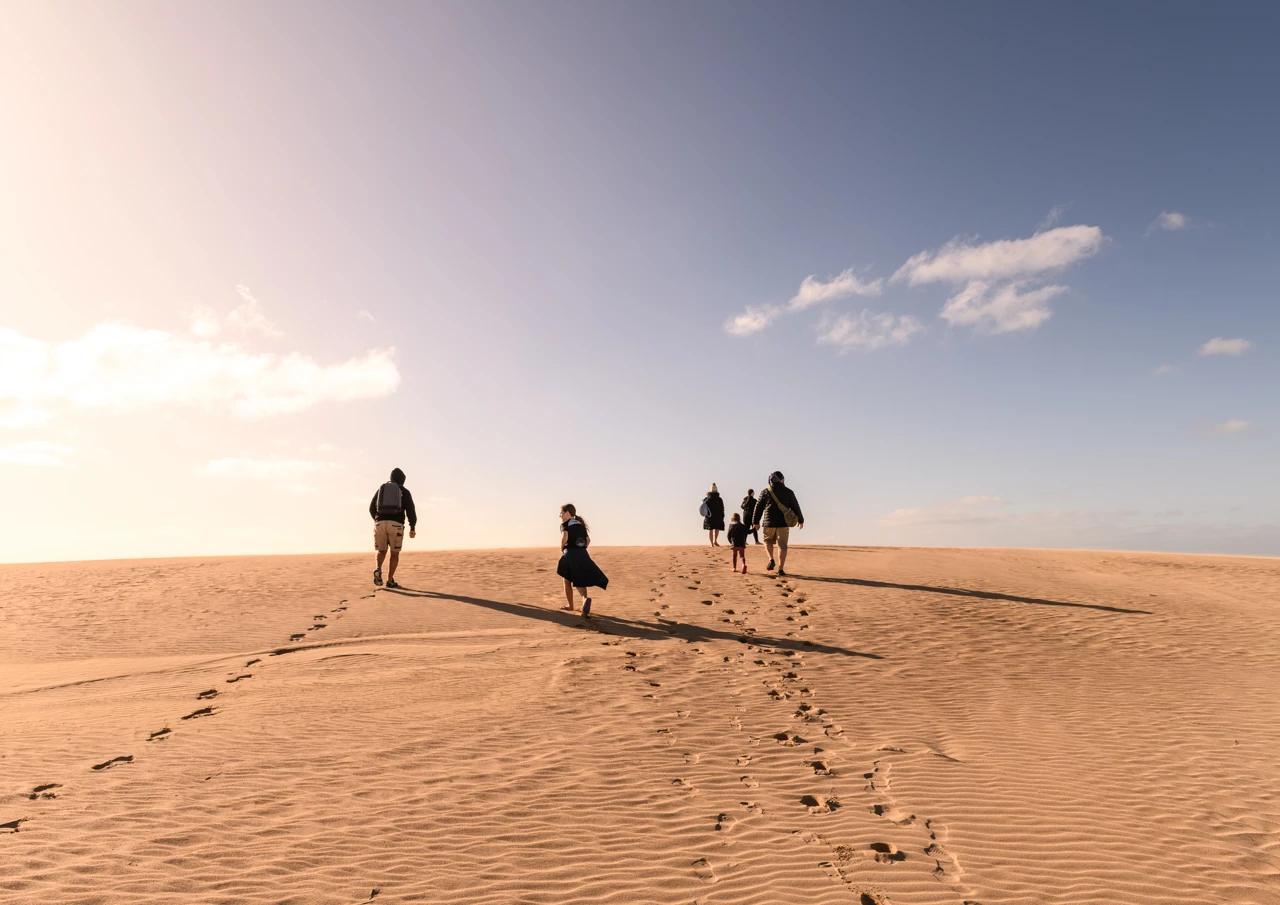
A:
[735, 559]
[715, 537]
[711, 538]
[395, 559]
[782, 560]
[381, 555]
[768, 545]
[568, 595]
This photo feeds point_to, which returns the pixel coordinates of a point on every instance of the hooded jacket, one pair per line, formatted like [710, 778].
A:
[768, 515]
[406, 507]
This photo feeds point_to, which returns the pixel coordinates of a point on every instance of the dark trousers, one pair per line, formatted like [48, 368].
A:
[755, 532]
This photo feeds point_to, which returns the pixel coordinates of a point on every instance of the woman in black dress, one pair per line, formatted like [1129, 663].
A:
[713, 523]
[576, 566]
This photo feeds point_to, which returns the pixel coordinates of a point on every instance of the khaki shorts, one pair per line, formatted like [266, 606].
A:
[777, 535]
[387, 533]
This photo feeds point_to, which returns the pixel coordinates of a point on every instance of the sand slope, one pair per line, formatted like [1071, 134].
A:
[905, 726]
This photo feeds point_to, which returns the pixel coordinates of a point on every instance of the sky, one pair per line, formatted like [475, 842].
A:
[983, 274]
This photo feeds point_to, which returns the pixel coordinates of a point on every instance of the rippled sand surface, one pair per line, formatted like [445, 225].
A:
[882, 726]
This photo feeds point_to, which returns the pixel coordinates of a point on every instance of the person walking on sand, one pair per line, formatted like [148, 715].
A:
[738, 541]
[576, 566]
[389, 508]
[748, 510]
[777, 511]
[713, 522]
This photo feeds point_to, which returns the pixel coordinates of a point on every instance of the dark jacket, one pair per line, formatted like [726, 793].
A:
[768, 515]
[737, 534]
[406, 508]
[748, 508]
[714, 521]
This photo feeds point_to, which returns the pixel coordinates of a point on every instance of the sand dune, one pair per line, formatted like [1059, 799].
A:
[884, 726]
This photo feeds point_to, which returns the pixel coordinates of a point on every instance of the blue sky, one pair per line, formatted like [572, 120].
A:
[255, 255]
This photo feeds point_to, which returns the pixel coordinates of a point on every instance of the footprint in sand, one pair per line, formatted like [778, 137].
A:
[45, 791]
[790, 739]
[317, 627]
[247, 675]
[819, 804]
[253, 661]
[749, 781]
[702, 870]
[743, 761]
[160, 734]
[887, 853]
[203, 711]
[123, 759]
[12, 825]
[204, 695]
[297, 637]
[821, 767]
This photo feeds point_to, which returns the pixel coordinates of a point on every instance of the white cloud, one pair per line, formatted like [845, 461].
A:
[120, 368]
[868, 330]
[754, 319]
[1220, 346]
[969, 510]
[248, 317]
[15, 416]
[1006, 309]
[290, 474]
[365, 316]
[1162, 370]
[204, 322]
[1002, 290]
[960, 262]
[1234, 426]
[814, 291]
[37, 453]
[1170, 221]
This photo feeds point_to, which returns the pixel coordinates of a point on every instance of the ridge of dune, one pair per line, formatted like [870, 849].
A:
[883, 726]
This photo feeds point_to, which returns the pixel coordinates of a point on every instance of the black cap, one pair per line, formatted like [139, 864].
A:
[776, 476]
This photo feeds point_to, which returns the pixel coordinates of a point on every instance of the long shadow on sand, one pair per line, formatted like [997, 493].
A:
[662, 630]
[965, 592]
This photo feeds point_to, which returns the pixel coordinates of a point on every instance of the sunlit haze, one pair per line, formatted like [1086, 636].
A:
[998, 275]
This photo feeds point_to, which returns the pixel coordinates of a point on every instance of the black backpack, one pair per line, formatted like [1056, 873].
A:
[390, 500]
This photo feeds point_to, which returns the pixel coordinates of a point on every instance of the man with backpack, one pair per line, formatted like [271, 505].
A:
[777, 511]
[389, 507]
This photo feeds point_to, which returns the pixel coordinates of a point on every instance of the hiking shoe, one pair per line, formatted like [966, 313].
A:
[377, 576]
[769, 568]
[782, 574]
[392, 583]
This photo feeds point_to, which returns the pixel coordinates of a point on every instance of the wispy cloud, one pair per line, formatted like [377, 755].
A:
[36, 453]
[1004, 309]
[1163, 370]
[1220, 346]
[815, 292]
[15, 416]
[868, 330]
[1002, 281]
[959, 261]
[119, 368]
[1168, 221]
[290, 474]
[754, 319]
[812, 291]
[1234, 426]
[1054, 215]
[249, 317]
[969, 510]
[204, 322]
[365, 316]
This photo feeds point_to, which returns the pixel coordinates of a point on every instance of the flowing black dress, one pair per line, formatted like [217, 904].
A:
[576, 563]
[714, 521]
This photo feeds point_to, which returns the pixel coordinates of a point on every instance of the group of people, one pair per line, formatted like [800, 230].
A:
[776, 511]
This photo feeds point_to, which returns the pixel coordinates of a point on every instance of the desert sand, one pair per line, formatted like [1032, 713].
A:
[883, 726]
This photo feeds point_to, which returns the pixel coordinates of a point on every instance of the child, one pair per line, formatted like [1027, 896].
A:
[738, 540]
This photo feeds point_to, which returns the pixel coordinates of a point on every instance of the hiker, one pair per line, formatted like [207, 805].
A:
[388, 508]
[777, 511]
[576, 566]
[748, 510]
[738, 541]
[713, 515]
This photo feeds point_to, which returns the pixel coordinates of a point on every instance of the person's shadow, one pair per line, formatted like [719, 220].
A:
[659, 630]
[965, 592]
